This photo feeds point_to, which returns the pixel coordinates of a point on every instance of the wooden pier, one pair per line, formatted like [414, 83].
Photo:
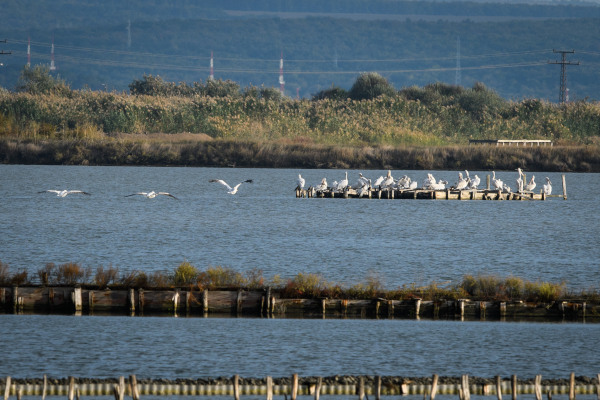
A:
[429, 194]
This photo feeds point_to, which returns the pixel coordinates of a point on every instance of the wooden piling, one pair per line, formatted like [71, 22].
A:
[294, 394]
[572, 386]
[131, 299]
[71, 387]
[499, 387]
[236, 387]
[487, 182]
[464, 388]
[564, 187]
[267, 297]
[140, 301]
[378, 387]
[513, 381]
[45, 387]
[434, 384]
[135, 393]
[417, 307]
[175, 301]
[361, 388]
[15, 298]
[205, 301]
[318, 388]
[598, 387]
[7, 388]
[76, 297]
[538, 387]
[239, 302]
[269, 388]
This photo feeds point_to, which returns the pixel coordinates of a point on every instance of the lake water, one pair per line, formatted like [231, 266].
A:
[264, 226]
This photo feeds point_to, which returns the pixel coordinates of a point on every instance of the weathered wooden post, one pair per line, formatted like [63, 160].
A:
[434, 384]
[324, 307]
[7, 388]
[269, 388]
[135, 393]
[417, 307]
[236, 387]
[45, 387]
[76, 298]
[205, 301]
[513, 381]
[572, 386]
[464, 388]
[131, 300]
[294, 394]
[15, 298]
[175, 301]
[499, 387]
[188, 301]
[564, 187]
[361, 388]
[378, 387]
[390, 306]
[71, 387]
[503, 309]
[140, 301]
[318, 388]
[238, 303]
[538, 387]
[487, 182]
[268, 298]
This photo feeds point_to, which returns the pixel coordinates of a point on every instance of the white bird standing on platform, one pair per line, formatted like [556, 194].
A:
[474, 183]
[388, 181]
[152, 194]
[301, 181]
[322, 186]
[403, 182]
[429, 181]
[412, 185]
[364, 189]
[531, 185]
[64, 193]
[520, 180]
[231, 190]
[462, 182]
[498, 184]
[343, 184]
[547, 188]
[378, 181]
[362, 181]
[439, 185]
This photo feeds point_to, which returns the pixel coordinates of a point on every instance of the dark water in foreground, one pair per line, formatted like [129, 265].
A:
[198, 347]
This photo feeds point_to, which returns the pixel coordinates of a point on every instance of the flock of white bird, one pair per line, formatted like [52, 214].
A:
[465, 182]
[151, 194]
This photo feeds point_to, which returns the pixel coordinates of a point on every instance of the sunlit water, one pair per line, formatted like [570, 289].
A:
[265, 227]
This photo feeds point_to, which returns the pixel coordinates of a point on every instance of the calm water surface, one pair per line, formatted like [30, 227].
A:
[197, 347]
[264, 226]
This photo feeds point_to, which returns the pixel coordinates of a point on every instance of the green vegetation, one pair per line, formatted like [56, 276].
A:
[302, 285]
[218, 123]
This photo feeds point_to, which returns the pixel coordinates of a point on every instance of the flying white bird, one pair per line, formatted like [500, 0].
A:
[64, 193]
[152, 194]
[301, 181]
[531, 185]
[231, 190]
[547, 188]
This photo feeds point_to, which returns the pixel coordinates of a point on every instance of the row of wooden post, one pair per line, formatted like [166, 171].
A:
[464, 391]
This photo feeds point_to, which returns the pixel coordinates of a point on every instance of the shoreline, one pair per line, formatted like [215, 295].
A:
[251, 154]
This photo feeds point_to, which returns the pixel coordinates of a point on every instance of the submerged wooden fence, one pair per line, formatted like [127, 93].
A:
[269, 303]
[361, 386]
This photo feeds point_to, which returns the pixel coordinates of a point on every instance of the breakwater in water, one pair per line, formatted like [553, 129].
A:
[269, 303]
[362, 386]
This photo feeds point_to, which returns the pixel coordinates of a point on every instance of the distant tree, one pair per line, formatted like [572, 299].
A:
[37, 80]
[267, 93]
[220, 88]
[480, 101]
[334, 93]
[370, 85]
[152, 86]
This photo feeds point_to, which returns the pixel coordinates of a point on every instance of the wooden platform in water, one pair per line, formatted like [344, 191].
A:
[429, 194]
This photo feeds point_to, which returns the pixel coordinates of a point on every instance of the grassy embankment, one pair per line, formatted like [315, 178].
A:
[302, 285]
[425, 128]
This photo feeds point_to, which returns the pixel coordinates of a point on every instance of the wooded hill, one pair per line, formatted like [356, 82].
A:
[505, 46]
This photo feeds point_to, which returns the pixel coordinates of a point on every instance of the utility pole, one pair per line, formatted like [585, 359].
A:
[563, 72]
